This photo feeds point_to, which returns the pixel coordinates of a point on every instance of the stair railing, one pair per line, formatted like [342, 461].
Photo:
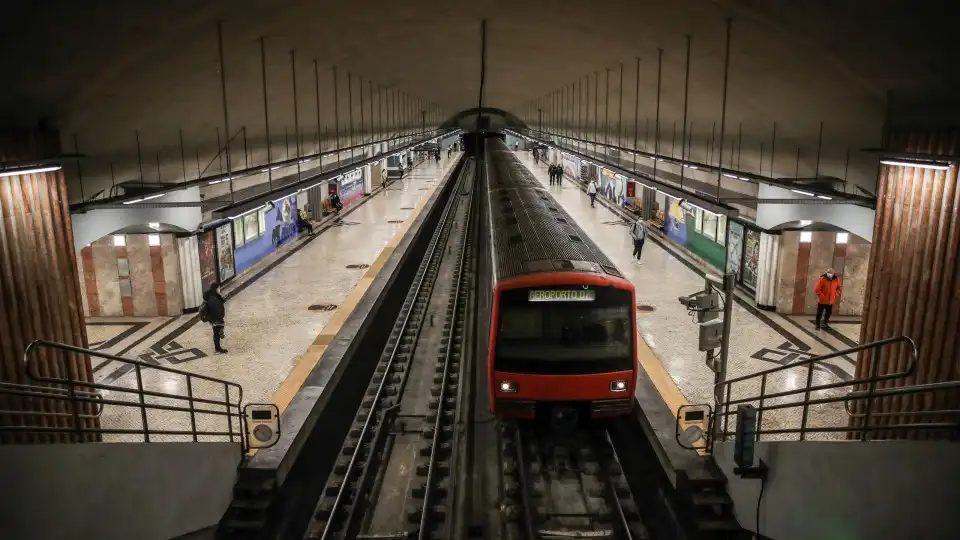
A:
[864, 394]
[223, 401]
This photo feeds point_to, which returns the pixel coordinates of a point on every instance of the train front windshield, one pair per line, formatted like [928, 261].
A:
[565, 330]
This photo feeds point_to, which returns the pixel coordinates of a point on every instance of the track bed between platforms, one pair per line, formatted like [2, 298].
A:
[392, 478]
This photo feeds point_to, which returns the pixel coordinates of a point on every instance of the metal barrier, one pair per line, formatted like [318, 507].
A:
[51, 393]
[864, 393]
[80, 394]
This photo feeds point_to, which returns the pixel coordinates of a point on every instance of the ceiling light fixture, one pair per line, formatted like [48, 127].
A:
[807, 193]
[730, 176]
[34, 170]
[824, 197]
[915, 164]
[147, 198]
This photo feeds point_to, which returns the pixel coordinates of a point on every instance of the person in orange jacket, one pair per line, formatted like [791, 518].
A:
[828, 291]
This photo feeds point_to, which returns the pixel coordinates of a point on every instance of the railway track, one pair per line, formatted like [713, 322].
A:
[393, 478]
[564, 484]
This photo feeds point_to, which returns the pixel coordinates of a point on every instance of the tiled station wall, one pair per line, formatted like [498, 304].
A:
[802, 264]
[153, 274]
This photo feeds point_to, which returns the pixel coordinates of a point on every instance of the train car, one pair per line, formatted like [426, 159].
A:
[563, 337]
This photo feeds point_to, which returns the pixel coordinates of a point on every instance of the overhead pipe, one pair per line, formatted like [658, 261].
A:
[686, 98]
[656, 135]
[316, 79]
[296, 112]
[636, 116]
[723, 108]
[223, 95]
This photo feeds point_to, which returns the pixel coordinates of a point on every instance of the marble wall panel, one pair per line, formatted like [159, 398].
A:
[789, 247]
[821, 258]
[854, 277]
[141, 275]
[171, 273]
[108, 284]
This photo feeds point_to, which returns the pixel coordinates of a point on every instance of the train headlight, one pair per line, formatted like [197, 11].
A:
[618, 386]
[508, 387]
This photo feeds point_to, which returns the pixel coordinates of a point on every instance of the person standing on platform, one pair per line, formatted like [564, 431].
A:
[639, 233]
[559, 169]
[213, 311]
[592, 191]
[828, 291]
[551, 173]
[536, 156]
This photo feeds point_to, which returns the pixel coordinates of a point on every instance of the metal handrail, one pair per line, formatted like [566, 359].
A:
[723, 408]
[79, 392]
[902, 391]
[47, 392]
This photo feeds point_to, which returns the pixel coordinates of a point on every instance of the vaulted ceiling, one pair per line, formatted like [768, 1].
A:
[105, 70]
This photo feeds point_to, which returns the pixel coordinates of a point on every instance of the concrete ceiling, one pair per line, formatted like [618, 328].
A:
[105, 69]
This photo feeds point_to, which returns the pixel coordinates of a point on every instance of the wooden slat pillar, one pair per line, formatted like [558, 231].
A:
[39, 285]
[913, 286]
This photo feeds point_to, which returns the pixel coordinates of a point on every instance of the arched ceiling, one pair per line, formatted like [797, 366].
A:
[105, 69]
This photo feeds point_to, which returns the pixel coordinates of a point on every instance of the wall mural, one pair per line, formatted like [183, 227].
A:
[225, 252]
[751, 258]
[734, 247]
[612, 186]
[674, 224]
[284, 226]
[571, 166]
[206, 245]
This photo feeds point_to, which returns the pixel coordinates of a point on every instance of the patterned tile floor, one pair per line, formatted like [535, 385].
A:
[759, 340]
[268, 324]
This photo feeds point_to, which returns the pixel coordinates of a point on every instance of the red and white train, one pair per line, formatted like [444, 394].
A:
[563, 333]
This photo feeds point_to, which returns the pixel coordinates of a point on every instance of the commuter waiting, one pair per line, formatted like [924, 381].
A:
[303, 222]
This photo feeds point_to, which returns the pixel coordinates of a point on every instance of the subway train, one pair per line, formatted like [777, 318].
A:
[563, 336]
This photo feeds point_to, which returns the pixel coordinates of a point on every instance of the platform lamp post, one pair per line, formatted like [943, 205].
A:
[714, 333]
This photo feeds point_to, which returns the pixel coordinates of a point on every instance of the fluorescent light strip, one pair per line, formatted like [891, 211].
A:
[933, 166]
[807, 193]
[147, 198]
[824, 197]
[730, 176]
[35, 170]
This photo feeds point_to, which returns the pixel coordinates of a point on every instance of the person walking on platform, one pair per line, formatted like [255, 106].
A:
[551, 173]
[559, 168]
[639, 233]
[213, 311]
[536, 156]
[828, 291]
[592, 191]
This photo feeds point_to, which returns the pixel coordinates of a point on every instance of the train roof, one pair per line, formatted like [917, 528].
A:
[531, 233]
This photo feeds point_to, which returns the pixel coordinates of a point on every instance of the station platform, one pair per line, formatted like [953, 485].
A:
[668, 350]
[281, 312]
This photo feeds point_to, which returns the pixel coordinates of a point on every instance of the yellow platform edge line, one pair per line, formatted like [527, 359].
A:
[658, 374]
[309, 359]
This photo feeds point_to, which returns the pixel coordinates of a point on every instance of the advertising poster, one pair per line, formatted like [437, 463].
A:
[571, 166]
[734, 247]
[631, 190]
[206, 245]
[675, 224]
[351, 186]
[282, 221]
[225, 252]
[751, 258]
[611, 185]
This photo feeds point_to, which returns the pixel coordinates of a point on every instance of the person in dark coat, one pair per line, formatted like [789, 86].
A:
[216, 311]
